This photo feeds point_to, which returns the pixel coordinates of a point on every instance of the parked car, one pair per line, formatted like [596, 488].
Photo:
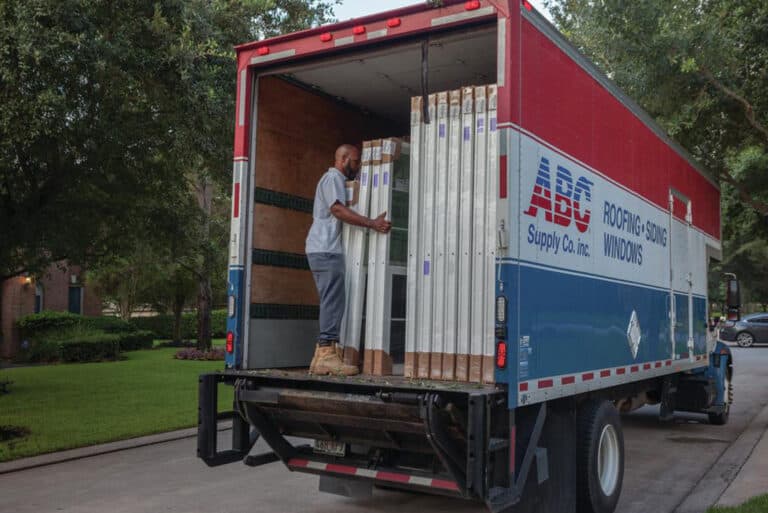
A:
[752, 328]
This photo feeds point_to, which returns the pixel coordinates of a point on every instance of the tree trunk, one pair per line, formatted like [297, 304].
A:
[204, 293]
[204, 315]
[178, 307]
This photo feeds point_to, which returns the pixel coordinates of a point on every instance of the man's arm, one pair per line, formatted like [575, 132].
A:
[349, 216]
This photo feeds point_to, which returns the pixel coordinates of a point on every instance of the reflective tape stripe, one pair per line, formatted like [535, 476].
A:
[453, 18]
[550, 387]
[273, 56]
[380, 475]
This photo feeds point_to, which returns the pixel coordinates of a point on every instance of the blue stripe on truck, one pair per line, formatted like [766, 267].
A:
[576, 323]
[235, 322]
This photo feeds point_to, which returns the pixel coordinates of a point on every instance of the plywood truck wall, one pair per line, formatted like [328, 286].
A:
[297, 132]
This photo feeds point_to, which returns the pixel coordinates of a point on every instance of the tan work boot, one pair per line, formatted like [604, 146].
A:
[328, 362]
[314, 359]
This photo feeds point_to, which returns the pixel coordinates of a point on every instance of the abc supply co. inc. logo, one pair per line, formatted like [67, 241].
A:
[569, 202]
[568, 205]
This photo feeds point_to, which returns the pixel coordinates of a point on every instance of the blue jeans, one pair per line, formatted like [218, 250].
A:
[328, 269]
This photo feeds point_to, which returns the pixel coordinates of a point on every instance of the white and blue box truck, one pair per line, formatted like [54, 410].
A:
[557, 252]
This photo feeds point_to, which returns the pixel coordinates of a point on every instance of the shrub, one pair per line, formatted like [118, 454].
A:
[40, 324]
[101, 346]
[78, 343]
[219, 323]
[34, 324]
[216, 353]
[135, 340]
[40, 352]
[109, 324]
[162, 325]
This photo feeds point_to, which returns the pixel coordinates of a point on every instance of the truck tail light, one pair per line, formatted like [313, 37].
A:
[501, 309]
[264, 50]
[527, 5]
[501, 354]
[393, 22]
[230, 347]
[327, 36]
[231, 306]
[360, 29]
[472, 5]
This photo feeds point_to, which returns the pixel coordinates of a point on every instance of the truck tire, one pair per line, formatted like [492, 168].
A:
[600, 453]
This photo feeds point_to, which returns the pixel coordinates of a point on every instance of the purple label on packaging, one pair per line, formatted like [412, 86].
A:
[442, 130]
[480, 125]
[466, 133]
[375, 181]
[386, 178]
[364, 179]
[493, 125]
[426, 267]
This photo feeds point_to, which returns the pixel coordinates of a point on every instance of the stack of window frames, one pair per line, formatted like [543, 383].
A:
[452, 236]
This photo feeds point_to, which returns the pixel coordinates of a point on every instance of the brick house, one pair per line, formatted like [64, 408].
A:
[61, 288]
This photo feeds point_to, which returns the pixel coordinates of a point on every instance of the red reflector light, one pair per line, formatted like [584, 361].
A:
[264, 50]
[501, 354]
[326, 37]
[230, 342]
[358, 30]
[472, 5]
[393, 22]
[527, 5]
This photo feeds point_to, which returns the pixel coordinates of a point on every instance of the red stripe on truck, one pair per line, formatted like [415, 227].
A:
[391, 476]
[236, 201]
[546, 383]
[445, 485]
[340, 469]
[502, 176]
[568, 380]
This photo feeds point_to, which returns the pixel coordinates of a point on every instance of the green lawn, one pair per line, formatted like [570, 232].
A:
[75, 405]
[754, 505]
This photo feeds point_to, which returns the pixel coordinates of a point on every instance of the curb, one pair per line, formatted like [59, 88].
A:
[726, 468]
[96, 450]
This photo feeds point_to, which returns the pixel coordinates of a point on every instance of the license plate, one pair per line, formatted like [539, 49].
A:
[330, 448]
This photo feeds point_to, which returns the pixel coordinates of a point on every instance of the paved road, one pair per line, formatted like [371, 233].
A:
[664, 463]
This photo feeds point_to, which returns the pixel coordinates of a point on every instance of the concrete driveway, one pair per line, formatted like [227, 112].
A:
[665, 463]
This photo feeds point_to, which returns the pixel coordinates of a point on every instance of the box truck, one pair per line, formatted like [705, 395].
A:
[552, 270]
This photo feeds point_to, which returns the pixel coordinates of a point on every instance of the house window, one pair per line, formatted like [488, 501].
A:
[76, 300]
[38, 298]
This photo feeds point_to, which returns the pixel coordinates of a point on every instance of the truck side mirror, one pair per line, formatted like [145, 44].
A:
[733, 298]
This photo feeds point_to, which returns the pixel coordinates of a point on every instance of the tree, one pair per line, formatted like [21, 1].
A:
[699, 67]
[109, 109]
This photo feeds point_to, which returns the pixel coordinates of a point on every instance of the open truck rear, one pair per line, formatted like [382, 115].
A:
[600, 236]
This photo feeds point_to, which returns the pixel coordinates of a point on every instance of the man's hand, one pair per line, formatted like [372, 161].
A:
[380, 224]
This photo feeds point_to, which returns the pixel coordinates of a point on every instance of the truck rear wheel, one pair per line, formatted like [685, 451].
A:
[600, 464]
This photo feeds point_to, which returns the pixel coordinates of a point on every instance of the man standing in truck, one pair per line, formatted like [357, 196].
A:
[325, 253]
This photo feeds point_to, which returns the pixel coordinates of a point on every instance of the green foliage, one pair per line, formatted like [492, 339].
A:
[67, 337]
[107, 108]
[74, 346]
[135, 340]
[94, 348]
[48, 321]
[699, 68]
[162, 325]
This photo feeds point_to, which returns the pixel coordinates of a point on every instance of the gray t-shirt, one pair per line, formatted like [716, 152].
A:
[325, 232]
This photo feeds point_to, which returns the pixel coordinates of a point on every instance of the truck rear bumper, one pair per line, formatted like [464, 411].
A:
[437, 437]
